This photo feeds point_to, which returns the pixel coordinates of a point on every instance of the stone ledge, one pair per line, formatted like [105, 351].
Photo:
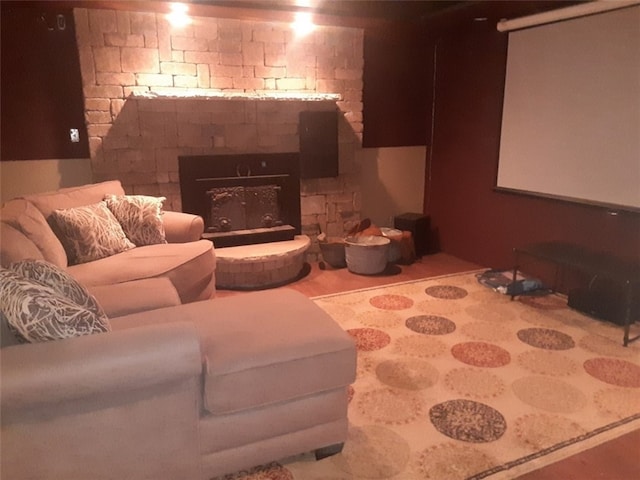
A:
[263, 265]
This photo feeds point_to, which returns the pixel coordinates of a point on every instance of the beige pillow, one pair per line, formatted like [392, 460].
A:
[37, 313]
[140, 217]
[90, 233]
[59, 280]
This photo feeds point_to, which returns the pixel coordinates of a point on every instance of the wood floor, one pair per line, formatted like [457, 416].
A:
[618, 459]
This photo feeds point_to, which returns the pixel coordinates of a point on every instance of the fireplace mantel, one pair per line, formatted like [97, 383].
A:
[204, 94]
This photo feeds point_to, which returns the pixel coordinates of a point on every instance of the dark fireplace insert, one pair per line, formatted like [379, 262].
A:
[243, 198]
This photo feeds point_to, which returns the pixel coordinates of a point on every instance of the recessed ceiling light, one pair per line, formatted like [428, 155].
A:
[303, 24]
[178, 16]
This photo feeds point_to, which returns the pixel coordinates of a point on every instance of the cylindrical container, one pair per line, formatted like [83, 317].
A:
[333, 252]
[395, 248]
[367, 255]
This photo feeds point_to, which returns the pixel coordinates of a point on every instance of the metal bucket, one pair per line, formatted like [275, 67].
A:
[367, 255]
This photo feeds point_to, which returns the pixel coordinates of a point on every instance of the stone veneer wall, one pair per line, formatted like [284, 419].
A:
[153, 93]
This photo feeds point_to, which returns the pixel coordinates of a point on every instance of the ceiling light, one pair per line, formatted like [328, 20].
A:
[178, 16]
[303, 24]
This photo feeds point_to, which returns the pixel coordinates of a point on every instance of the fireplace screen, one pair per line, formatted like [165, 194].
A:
[243, 198]
[243, 208]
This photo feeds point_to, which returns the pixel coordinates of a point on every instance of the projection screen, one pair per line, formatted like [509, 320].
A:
[571, 113]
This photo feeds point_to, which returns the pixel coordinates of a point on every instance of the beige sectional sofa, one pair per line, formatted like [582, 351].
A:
[185, 260]
[176, 389]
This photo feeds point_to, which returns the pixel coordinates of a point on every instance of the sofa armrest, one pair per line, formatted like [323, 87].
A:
[182, 227]
[97, 366]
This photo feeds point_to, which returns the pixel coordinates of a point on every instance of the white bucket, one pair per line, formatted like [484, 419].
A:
[395, 250]
[367, 255]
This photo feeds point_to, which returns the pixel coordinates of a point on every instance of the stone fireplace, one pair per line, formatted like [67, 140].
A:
[244, 199]
[218, 87]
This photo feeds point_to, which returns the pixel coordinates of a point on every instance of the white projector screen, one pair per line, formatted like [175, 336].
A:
[571, 113]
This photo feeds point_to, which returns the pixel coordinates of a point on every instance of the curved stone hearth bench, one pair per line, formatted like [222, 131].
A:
[263, 265]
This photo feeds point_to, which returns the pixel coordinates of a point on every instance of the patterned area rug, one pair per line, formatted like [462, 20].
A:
[455, 381]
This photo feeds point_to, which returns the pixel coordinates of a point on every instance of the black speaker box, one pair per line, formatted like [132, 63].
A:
[318, 144]
[419, 226]
[606, 301]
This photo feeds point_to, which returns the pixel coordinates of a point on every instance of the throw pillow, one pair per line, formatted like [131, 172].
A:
[59, 280]
[140, 217]
[38, 313]
[90, 233]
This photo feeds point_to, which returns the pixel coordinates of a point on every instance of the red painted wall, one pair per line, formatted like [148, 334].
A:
[469, 219]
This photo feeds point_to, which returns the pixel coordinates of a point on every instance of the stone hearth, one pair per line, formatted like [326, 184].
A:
[264, 265]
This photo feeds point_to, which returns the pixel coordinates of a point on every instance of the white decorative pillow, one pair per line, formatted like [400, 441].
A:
[64, 284]
[90, 233]
[140, 217]
[37, 313]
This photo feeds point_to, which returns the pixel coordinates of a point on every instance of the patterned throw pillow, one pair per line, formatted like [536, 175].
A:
[90, 233]
[37, 313]
[64, 284]
[140, 217]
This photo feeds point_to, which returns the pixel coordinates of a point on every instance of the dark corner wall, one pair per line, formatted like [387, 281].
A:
[468, 218]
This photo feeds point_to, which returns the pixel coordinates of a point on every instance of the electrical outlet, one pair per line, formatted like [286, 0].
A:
[74, 135]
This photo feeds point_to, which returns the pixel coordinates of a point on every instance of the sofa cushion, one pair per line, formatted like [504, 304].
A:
[140, 217]
[60, 281]
[15, 245]
[74, 196]
[269, 348]
[135, 296]
[262, 348]
[26, 218]
[90, 232]
[187, 265]
[38, 313]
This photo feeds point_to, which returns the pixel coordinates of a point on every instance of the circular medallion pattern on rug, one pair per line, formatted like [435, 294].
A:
[546, 338]
[545, 362]
[539, 431]
[369, 339]
[468, 421]
[391, 302]
[471, 382]
[614, 371]
[390, 406]
[487, 331]
[380, 319]
[549, 394]
[430, 324]
[446, 292]
[373, 451]
[271, 471]
[481, 354]
[419, 346]
[409, 374]
[617, 402]
[450, 461]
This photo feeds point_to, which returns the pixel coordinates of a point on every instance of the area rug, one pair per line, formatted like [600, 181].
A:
[456, 381]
